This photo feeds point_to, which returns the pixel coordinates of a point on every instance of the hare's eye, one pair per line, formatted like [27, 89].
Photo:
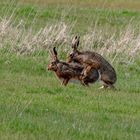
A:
[53, 63]
[71, 55]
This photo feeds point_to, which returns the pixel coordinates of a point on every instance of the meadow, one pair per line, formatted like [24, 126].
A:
[33, 103]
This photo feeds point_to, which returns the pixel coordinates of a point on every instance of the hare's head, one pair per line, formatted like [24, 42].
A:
[75, 44]
[53, 64]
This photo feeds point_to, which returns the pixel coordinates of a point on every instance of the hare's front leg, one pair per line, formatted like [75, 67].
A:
[83, 81]
[65, 82]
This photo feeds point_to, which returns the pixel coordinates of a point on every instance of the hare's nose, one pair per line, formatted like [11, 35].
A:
[71, 54]
[49, 67]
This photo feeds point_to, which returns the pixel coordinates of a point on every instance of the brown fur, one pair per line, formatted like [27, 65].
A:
[92, 60]
[67, 71]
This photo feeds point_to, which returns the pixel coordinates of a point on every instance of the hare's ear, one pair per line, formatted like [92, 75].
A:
[55, 54]
[75, 42]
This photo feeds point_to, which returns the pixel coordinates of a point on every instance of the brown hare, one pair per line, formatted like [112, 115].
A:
[92, 60]
[67, 71]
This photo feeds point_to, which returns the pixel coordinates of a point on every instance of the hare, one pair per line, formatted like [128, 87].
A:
[92, 60]
[67, 71]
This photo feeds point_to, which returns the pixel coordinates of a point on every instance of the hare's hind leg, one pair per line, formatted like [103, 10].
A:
[65, 82]
[112, 87]
[103, 86]
[107, 82]
[107, 85]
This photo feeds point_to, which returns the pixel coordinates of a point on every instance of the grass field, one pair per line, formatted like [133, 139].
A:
[33, 103]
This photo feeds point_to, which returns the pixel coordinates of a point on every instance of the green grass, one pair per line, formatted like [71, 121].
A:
[33, 103]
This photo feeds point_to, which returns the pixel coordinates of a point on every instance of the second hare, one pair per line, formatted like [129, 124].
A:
[92, 60]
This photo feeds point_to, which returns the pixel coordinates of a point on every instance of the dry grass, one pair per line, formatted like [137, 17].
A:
[25, 41]
[122, 45]
[119, 48]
